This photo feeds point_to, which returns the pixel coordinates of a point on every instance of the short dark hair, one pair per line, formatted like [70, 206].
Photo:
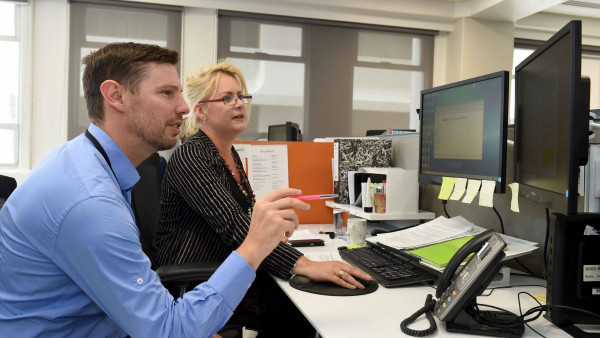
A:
[124, 63]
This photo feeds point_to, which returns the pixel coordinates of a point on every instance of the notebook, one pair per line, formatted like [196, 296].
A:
[439, 254]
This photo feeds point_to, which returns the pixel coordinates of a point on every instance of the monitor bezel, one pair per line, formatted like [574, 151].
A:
[578, 138]
[504, 76]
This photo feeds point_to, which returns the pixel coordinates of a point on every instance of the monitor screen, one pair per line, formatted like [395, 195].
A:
[463, 129]
[551, 121]
[284, 132]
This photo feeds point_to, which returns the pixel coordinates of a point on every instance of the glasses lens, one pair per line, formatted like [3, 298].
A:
[246, 98]
[229, 100]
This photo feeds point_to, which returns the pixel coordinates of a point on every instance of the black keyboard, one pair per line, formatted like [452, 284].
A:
[388, 268]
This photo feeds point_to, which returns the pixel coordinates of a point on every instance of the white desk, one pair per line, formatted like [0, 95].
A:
[380, 313]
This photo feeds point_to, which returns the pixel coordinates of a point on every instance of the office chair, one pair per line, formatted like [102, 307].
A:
[145, 202]
[7, 186]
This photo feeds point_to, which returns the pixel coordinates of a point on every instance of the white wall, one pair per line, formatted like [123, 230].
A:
[49, 49]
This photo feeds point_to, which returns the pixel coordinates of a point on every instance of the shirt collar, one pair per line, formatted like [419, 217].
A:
[126, 173]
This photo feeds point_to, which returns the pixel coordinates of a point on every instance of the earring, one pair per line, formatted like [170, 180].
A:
[205, 122]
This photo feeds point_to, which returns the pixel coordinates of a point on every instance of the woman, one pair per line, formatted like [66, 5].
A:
[207, 200]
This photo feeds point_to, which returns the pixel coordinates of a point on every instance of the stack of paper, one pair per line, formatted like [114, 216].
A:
[451, 233]
[438, 230]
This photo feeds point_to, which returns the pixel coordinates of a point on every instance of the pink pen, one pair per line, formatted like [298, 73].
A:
[314, 197]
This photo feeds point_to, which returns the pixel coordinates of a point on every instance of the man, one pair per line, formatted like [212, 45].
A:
[71, 261]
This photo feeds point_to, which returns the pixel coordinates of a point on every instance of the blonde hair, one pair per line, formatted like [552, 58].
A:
[200, 86]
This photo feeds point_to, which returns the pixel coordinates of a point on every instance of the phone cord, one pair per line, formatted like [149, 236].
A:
[427, 309]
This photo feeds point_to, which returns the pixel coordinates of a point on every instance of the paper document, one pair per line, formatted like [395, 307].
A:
[268, 169]
[306, 234]
[435, 231]
[324, 256]
[444, 229]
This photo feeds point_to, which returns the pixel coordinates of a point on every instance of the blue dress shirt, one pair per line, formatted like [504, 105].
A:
[71, 263]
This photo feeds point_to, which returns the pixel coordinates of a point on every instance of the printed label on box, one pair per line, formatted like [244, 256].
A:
[591, 273]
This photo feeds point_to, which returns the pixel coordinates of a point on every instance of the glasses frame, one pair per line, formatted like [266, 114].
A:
[231, 100]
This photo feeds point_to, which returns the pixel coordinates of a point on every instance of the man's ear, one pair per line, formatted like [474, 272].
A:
[112, 92]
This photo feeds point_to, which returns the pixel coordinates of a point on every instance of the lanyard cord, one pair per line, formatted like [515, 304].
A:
[101, 150]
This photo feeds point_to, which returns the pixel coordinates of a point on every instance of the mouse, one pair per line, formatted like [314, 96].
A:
[374, 232]
[364, 282]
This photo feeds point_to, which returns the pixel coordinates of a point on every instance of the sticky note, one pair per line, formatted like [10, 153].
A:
[472, 190]
[514, 201]
[486, 196]
[460, 185]
[446, 189]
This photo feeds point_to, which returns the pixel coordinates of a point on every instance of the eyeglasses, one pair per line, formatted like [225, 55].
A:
[231, 100]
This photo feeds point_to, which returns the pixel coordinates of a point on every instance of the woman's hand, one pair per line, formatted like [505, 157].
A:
[336, 272]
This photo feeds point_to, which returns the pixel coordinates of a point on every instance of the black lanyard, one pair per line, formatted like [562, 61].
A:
[101, 150]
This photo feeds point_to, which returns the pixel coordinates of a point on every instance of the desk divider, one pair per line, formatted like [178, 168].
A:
[309, 169]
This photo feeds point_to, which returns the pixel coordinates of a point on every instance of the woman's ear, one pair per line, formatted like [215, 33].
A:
[112, 92]
[200, 111]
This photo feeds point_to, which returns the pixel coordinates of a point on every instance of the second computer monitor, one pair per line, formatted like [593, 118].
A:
[463, 129]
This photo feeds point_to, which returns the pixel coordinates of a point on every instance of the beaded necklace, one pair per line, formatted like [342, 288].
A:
[243, 184]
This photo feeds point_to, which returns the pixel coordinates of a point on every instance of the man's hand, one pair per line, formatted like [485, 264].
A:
[273, 218]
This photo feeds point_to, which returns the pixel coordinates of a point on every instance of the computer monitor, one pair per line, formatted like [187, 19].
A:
[552, 121]
[463, 129]
[284, 132]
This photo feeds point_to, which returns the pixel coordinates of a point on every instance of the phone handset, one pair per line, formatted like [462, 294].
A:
[474, 245]
[451, 300]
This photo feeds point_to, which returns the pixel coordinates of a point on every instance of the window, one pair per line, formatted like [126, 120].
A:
[12, 67]
[93, 25]
[590, 66]
[331, 78]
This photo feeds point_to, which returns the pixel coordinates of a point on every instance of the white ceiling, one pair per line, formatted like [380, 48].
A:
[587, 8]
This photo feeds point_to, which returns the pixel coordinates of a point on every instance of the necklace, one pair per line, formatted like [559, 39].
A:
[243, 184]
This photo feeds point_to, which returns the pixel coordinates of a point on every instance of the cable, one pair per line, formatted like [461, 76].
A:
[521, 311]
[444, 202]
[499, 218]
[546, 242]
[508, 287]
[427, 309]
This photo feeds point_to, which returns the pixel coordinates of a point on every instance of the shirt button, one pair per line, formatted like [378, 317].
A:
[140, 281]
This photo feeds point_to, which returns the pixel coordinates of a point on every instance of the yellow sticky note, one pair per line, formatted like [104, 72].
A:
[460, 185]
[446, 189]
[472, 190]
[486, 195]
[514, 201]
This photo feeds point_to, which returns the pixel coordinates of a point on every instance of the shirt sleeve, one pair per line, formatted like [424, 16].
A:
[194, 174]
[98, 247]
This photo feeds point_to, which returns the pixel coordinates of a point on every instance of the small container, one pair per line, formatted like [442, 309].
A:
[357, 232]
[340, 223]
[379, 199]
